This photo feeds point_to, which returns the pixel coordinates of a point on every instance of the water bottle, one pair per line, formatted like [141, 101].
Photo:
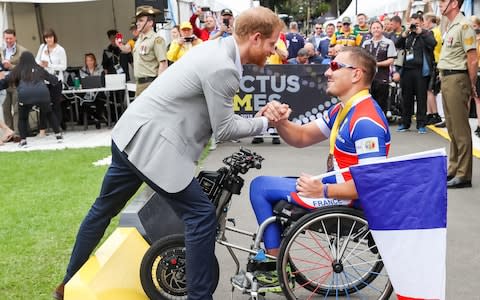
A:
[76, 83]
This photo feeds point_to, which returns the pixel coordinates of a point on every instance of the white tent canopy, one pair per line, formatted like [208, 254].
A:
[389, 7]
[45, 1]
[3, 17]
[182, 9]
[236, 6]
[392, 7]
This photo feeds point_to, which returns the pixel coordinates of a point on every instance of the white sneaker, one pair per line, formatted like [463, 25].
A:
[59, 137]
[240, 281]
[22, 144]
[213, 144]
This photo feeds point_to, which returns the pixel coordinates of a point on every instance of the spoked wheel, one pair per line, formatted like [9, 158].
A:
[331, 253]
[163, 269]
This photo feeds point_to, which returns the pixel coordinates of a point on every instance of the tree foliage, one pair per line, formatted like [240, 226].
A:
[302, 9]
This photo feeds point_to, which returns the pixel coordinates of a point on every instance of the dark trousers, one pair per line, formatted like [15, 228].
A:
[414, 86]
[45, 114]
[192, 205]
[379, 91]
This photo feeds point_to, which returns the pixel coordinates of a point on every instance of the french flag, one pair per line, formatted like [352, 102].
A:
[405, 202]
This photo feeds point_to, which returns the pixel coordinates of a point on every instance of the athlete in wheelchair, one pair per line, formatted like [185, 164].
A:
[358, 132]
[317, 242]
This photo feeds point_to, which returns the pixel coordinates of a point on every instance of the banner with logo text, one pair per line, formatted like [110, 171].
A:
[303, 87]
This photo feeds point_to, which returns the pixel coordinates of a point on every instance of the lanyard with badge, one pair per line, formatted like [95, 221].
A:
[341, 115]
[376, 50]
[409, 55]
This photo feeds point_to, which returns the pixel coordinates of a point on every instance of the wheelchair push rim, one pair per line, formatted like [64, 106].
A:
[331, 253]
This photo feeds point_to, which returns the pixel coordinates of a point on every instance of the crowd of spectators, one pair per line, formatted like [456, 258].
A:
[407, 52]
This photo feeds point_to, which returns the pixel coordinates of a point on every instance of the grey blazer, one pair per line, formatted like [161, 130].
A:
[166, 128]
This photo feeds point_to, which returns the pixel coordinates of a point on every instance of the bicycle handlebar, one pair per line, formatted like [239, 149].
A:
[244, 160]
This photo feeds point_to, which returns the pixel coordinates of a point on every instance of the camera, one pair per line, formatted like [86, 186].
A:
[119, 37]
[413, 27]
[189, 39]
[226, 22]
[205, 8]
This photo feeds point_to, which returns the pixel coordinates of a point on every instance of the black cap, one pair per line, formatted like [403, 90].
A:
[226, 12]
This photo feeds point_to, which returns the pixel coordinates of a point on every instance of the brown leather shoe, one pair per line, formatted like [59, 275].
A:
[58, 293]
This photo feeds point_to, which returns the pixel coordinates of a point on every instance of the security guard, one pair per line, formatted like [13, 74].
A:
[458, 71]
[149, 53]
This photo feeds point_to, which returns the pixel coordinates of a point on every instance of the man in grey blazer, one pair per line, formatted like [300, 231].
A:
[161, 135]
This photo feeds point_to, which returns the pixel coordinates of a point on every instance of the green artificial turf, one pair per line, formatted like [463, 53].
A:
[44, 196]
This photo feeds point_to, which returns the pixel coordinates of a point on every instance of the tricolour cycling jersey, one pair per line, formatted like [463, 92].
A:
[363, 135]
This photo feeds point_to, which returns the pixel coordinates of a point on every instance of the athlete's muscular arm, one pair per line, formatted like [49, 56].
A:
[310, 187]
[299, 135]
[294, 134]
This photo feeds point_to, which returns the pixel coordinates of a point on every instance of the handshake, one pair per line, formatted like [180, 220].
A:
[275, 112]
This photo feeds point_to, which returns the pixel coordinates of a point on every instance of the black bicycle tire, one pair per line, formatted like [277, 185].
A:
[160, 246]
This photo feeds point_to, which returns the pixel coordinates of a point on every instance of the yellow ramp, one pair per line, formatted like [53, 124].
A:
[113, 272]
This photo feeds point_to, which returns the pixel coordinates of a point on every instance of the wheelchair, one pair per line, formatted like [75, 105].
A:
[394, 102]
[326, 253]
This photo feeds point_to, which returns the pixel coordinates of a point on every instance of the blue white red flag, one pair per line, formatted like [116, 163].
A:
[405, 203]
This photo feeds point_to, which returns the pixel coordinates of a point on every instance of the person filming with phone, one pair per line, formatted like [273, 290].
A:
[226, 26]
[185, 42]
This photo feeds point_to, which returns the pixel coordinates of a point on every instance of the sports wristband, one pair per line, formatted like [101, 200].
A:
[325, 190]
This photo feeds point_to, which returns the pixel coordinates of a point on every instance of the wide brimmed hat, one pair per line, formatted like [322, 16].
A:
[226, 12]
[146, 10]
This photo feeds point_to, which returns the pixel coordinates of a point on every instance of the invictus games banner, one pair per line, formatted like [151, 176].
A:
[303, 87]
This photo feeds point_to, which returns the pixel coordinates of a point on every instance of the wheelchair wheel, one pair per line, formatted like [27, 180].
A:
[163, 269]
[331, 252]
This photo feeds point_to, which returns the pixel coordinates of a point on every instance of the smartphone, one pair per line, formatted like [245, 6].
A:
[205, 8]
[119, 37]
[226, 22]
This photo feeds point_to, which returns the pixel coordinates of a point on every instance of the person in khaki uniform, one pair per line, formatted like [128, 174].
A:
[149, 52]
[458, 70]
[9, 57]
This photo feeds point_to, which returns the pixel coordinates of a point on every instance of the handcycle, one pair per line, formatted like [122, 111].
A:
[328, 252]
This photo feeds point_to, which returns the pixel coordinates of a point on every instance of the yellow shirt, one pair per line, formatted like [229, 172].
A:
[346, 39]
[275, 59]
[438, 47]
[131, 43]
[176, 50]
